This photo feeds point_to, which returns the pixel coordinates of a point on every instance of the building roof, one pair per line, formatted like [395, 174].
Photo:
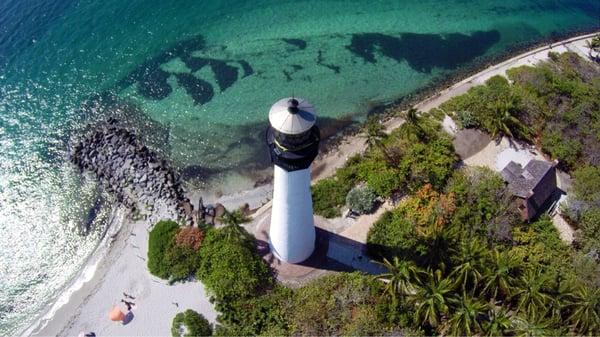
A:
[521, 181]
[292, 116]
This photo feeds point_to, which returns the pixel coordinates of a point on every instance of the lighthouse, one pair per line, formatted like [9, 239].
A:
[293, 141]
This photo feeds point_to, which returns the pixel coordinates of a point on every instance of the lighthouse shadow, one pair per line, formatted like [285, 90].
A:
[332, 253]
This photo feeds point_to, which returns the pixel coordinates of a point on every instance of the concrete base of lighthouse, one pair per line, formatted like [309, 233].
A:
[293, 273]
[292, 231]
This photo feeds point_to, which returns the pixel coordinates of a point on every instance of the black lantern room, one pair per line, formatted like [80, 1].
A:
[293, 137]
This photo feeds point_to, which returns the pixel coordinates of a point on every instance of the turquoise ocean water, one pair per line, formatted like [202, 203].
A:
[198, 77]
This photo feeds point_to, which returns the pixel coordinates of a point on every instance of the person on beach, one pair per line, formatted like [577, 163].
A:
[128, 304]
[128, 296]
[201, 210]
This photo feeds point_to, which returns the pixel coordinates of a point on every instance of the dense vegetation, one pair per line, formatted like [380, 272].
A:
[555, 104]
[415, 154]
[583, 209]
[230, 267]
[463, 264]
[250, 303]
[336, 304]
[190, 324]
[173, 251]
[459, 259]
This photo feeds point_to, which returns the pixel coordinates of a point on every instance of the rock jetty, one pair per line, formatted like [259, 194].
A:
[130, 171]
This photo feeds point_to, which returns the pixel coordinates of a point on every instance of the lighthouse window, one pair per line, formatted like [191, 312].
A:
[293, 141]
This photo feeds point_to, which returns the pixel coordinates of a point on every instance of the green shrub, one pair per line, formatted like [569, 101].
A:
[586, 184]
[553, 56]
[467, 119]
[230, 267]
[160, 241]
[567, 151]
[180, 262]
[259, 315]
[385, 182]
[437, 113]
[337, 304]
[328, 197]
[167, 259]
[391, 235]
[483, 205]
[190, 324]
[589, 227]
[429, 163]
[361, 199]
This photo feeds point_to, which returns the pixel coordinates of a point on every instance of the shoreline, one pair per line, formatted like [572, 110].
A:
[445, 83]
[349, 142]
[56, 319]
[85, 278]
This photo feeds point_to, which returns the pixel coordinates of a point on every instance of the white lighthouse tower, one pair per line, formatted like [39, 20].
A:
[293, 140]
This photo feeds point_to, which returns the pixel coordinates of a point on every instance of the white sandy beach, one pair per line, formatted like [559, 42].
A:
[124, 270]
[124, 267]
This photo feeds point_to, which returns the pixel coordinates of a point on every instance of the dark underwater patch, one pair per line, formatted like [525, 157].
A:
[152, 80]
[181, 49]
[186, 47]
[195, 63]
[424, 51]
[295, 69]
[336, 69]
[153, 84]
[246, 67]
[200, 90]
[225, 74]
[301, 44]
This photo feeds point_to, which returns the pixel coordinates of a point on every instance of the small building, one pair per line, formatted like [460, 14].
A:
[533, 185]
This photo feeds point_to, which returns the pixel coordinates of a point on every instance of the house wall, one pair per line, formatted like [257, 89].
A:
[544, 189]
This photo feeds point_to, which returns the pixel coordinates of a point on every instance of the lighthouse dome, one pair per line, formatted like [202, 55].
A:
[292, 116]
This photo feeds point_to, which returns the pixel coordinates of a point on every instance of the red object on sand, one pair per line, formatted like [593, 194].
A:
[116, 314]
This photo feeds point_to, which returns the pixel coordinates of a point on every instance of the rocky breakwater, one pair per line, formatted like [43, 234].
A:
[133, 173]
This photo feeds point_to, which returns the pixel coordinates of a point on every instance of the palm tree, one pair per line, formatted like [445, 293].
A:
[498, 323]
[375, 135]
[233, 228]
[531, 293]
[504, 121]
[500, 279]
[431, 299]
[436, 238]
[467, 315]
[469, 262]
[402, 277]
[584, 308]
[413, 123]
